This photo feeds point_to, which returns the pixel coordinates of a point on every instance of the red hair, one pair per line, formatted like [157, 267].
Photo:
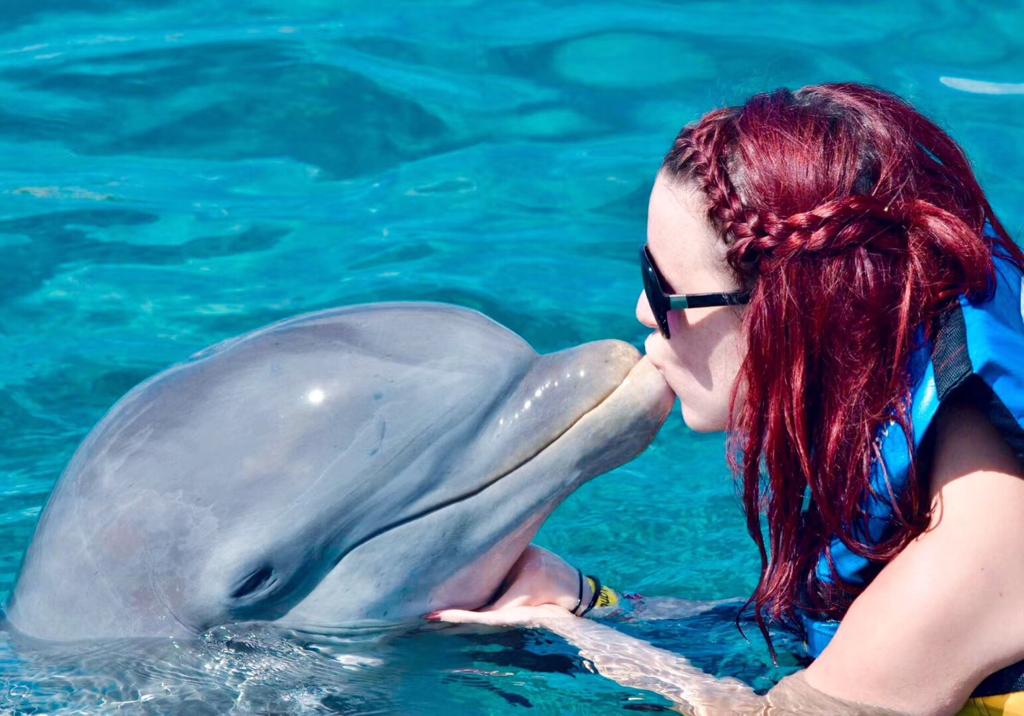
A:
[855, 221]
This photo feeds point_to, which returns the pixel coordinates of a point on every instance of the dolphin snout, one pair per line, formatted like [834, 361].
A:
[606, 367]
[608, 358]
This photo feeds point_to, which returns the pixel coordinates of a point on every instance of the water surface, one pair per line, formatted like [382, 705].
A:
[180, 172]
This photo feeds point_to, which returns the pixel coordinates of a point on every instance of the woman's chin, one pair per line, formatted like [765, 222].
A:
[701, 421]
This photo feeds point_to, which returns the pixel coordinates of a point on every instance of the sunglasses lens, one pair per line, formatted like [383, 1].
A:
[655, 294]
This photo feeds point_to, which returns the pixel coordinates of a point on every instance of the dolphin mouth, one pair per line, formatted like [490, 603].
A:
[640, 394]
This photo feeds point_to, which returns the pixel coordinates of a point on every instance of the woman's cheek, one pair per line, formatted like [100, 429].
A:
[703, 382]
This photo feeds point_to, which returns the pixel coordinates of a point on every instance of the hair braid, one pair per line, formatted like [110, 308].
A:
[700, 150]
[831, 228]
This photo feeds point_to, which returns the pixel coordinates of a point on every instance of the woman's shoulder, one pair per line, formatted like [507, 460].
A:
[967, 443]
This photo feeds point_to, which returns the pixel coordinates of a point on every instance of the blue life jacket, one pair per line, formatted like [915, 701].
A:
[978, 351]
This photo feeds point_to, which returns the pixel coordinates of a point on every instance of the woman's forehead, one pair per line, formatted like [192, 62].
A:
[685, 246]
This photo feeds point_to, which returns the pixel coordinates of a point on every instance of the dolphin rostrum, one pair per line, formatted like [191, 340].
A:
[354, 467]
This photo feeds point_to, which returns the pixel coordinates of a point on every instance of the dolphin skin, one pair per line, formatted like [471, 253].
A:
[350, 468]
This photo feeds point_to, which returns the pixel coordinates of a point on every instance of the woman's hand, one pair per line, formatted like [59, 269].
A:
[542, 586]
[539, 616]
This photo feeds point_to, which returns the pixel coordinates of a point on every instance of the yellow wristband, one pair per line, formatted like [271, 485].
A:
[601, 596]
[607, 598]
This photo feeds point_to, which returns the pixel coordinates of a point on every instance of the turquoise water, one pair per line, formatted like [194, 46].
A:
[179, 172]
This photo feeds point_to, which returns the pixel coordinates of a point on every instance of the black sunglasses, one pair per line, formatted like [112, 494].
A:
[662, 302]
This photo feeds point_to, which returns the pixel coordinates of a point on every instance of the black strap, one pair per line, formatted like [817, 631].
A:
[579, 599]
[950, 358]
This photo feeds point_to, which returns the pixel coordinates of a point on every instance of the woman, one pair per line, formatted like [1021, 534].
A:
[855, 326]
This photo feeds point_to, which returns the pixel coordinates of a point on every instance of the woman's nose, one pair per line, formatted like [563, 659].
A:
[644, 314]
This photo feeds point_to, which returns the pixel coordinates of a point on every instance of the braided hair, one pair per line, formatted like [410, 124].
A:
[855, 222]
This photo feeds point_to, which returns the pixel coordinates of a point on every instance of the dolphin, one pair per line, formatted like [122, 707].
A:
[350, 468]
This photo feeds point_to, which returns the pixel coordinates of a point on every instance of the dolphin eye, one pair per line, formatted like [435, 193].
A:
[256, 581]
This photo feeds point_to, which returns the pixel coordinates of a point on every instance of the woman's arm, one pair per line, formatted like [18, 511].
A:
[949, 609]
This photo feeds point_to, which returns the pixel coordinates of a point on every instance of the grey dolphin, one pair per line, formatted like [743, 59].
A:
[353, 467]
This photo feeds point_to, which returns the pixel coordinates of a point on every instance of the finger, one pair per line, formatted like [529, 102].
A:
[510, 599]
[459, 616]
[513, 616]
